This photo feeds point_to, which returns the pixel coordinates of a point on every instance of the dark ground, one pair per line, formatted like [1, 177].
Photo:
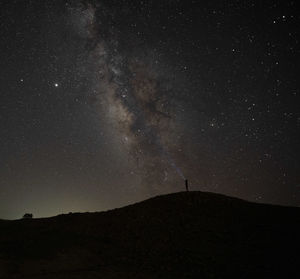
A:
[181, 235]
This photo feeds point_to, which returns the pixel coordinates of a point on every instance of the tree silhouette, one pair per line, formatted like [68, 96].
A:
[27, 216]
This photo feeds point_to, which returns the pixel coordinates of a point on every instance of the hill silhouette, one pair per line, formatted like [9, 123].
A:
[180, 235]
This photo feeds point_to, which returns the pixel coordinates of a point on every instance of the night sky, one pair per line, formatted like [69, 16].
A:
[104, 103]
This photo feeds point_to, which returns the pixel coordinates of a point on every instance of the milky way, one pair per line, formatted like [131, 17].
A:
[137, 95]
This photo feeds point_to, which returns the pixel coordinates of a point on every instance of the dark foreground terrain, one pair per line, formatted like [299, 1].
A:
[182, 235]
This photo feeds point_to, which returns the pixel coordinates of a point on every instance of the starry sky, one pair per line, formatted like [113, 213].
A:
[104, 103]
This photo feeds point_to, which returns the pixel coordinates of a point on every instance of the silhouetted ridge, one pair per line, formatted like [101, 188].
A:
[180, 235]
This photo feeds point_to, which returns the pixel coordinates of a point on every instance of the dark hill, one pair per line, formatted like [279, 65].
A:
[181, 235]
